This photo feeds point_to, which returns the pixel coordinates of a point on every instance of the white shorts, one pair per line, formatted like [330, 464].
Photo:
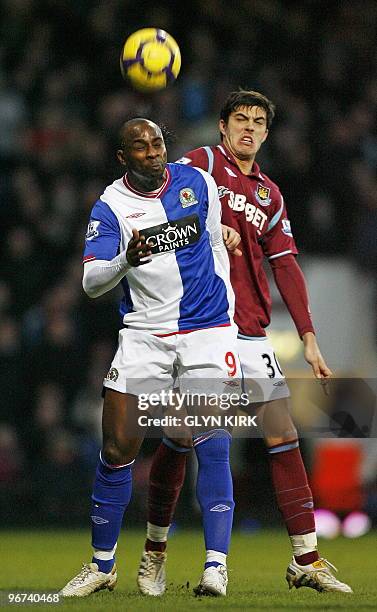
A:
[202, 361]
[263, 378]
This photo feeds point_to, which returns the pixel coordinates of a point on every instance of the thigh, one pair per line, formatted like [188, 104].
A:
[122, 435]
[175, 416]
[276, 422]
[188, 414]
[263, 378]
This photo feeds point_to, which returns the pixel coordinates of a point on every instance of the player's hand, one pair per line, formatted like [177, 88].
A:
[231, 240]
[138, 250]
[314, 357]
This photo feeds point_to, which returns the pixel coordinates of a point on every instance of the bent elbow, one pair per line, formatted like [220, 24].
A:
[90, 291]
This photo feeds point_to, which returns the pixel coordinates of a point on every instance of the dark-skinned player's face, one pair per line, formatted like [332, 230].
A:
[143, 150]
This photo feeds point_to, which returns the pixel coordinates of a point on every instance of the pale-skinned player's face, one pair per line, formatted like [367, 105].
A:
[144, 151]
[245, 131]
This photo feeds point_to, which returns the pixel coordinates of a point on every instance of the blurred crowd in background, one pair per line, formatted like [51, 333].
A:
[62, 101]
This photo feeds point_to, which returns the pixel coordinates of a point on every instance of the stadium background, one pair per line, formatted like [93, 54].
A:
[62, 101]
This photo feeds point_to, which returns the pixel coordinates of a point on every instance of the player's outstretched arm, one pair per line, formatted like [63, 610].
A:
[231, 239]
[101, 276]
[291, 284]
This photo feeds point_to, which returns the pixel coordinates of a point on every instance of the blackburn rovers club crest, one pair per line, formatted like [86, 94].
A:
[262, 194]
[187, 197]
[112, 375]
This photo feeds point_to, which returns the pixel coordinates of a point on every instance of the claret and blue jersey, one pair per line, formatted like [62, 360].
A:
[253, 205]
[186, 285]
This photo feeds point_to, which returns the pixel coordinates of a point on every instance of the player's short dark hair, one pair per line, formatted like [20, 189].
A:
[245, 97]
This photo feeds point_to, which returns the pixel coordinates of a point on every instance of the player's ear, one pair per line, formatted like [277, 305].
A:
[120, 156]
[222, 127]
[265, 135]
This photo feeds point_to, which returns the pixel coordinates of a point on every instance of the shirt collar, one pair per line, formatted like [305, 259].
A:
[157, 193]
[255, 171]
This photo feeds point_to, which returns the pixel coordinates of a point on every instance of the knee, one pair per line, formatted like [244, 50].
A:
[181, 443]
[287, 430]
[277, 423]
[118, 454]
[214, 449]
[285, 438]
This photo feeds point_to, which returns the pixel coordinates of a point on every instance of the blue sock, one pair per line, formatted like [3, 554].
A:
[214, 490]
[111, 495]
[104, 566]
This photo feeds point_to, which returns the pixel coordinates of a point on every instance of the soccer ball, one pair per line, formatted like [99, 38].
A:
[150, 59]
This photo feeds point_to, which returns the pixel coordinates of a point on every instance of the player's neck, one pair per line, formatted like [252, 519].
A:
[140, 182]
[245, 165]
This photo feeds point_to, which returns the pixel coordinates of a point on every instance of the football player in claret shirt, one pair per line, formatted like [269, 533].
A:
[253, 205]
[157, 232]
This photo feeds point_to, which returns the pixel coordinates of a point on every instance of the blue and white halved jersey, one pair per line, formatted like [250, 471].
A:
[186, 285]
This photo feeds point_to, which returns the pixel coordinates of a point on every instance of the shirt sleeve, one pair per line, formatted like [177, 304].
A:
[278, 240]
[198, 158]
[291, 283]
[102, 238]
[101, 276]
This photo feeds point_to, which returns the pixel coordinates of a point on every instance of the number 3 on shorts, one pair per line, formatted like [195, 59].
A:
[270, 368]
[231, 362]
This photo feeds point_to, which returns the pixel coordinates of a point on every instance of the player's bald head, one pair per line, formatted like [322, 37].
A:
[143, 153]
[135, 127]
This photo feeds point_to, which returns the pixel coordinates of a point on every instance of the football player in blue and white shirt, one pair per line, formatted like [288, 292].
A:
[157, 231]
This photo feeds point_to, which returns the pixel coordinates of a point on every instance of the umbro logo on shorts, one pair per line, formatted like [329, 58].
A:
[220, 508]
[173, 235]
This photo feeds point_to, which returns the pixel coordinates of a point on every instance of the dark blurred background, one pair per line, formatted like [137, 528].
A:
[62, 101]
